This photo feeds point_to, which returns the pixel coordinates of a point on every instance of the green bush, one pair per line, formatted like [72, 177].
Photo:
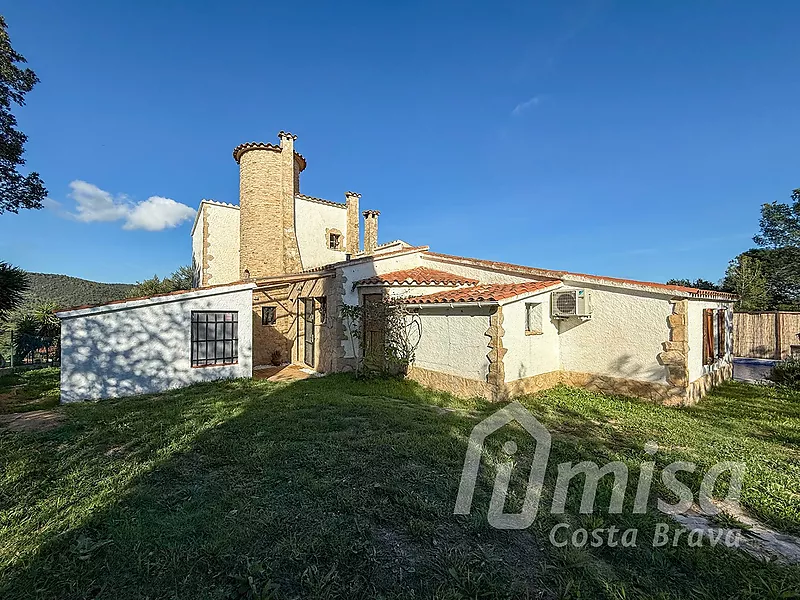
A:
[786, 373]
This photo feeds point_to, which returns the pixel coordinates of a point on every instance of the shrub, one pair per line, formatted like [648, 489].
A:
[786, 373]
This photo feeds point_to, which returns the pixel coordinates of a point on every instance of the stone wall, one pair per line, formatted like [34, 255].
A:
[269, 178]
[261, 207]
[286, 336]
[352, 243]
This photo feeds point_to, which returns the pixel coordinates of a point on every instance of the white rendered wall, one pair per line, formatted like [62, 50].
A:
[695, 326]
[197, 250]
[622, 339]
[145, 347]
[223, 243]
[311, 219]
[482, 275]
[454, 341]
[529, 355]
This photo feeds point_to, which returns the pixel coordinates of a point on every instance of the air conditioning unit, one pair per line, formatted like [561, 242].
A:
[571, 303]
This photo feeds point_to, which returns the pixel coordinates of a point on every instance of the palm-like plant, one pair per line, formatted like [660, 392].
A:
[38, 328]
[13, 285]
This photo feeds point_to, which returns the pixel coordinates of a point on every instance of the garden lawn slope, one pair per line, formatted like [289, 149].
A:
[337, 488]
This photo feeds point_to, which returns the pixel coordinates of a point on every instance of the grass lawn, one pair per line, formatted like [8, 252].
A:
[337, 488]
[29, 390]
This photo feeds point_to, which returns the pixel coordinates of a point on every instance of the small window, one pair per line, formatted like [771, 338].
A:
[322, 305]
[334, 241]
[533, 318]
[215, 338]
[269, 315]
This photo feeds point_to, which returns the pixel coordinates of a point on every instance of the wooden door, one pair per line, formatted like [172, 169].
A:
[374, 331]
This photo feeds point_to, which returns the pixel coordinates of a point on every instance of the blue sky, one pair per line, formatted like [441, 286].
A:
[633, 139]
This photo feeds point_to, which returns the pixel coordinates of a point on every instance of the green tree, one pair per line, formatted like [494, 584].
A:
[183, 278]
[179, 280]
[745, 277]
[781, 267]
[151, 287]
[780, 224]
[701, 284]
[13, 285]
[16, 191]
[38, 328]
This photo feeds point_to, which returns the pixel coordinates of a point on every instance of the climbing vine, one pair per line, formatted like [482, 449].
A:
[392, 350]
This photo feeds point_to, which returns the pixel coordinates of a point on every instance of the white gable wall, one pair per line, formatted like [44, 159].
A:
[311, 220]
[223, 244]
[529, 355]
[622, 339]
[482, 275]
[144, 346]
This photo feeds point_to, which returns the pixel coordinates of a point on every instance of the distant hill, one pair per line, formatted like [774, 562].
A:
[71, 291]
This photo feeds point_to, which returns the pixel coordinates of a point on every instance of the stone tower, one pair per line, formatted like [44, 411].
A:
[269, 178]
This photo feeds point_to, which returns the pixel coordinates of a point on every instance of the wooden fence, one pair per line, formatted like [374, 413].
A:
[774, 335]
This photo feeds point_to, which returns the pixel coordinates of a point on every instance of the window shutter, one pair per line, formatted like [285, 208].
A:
[708, 336]
[721, 330]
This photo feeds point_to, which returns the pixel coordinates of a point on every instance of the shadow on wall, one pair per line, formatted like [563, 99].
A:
[626, 366]
[124, 353]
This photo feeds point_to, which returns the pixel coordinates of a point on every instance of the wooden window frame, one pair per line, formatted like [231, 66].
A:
[708, 336]
[721, 334]
[226, 322]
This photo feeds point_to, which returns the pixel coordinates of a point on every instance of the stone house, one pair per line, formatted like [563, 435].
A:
[488, 328]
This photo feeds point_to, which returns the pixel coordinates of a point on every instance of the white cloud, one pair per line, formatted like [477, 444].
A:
[154, 214]
[157, 213]
[523, 106]
[94, 204]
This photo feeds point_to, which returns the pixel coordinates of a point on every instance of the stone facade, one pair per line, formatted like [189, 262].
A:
[700, 387]
[283, 341]
[260, 194]
[452, 384]
[496, 376]
[269, 177]
[676, 349]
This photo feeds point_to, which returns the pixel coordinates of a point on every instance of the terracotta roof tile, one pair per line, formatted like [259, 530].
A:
[694, 292]
[491, 292]
[419, 275]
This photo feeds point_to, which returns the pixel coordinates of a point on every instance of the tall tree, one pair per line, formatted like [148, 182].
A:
[16, 191]
[179, 280]
[780, 224]
[183, 278]
[781, 267]
[701, 284]
[745, 277]
[13, 285]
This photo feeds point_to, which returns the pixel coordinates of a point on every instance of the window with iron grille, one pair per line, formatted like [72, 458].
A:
[215, 338]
